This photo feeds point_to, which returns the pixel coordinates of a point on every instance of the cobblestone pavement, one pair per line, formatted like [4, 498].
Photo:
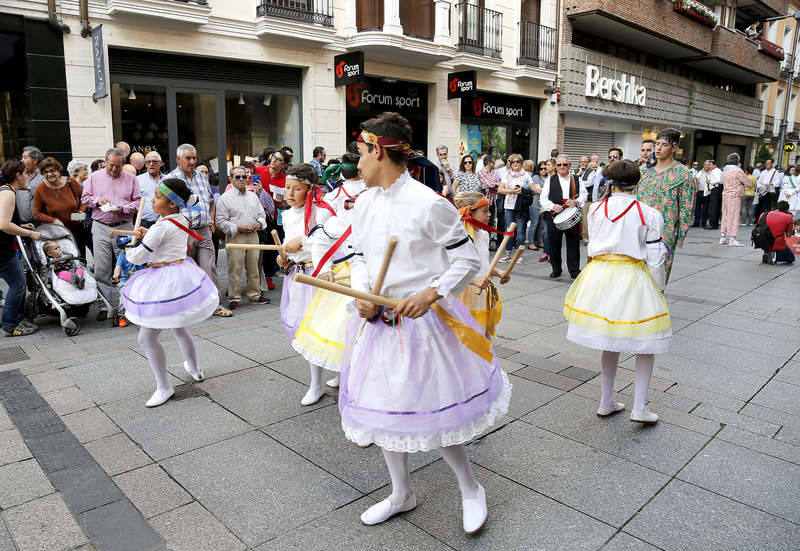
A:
[236, 463]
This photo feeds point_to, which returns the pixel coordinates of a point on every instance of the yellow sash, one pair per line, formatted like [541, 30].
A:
[470, 338]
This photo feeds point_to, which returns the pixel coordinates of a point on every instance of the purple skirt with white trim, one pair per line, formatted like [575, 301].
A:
[295, 300]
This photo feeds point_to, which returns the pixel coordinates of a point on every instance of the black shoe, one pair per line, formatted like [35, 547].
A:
[102, 315]
[554, 275]
[767, 258]
[574, 275]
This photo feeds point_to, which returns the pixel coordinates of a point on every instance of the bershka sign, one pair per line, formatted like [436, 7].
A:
[462, 85]
[623, 90]
[498, 107]
[348, 68]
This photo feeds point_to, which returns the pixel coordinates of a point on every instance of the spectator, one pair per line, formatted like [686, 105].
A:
[58, 201]
[714, 194]
[240, 215]
[98, 164]
[203, 169]
[702, 179]
[147, 186]
[515, 183]
[583, 166]
[137, 160]
[614, 154]
[125, 149]
[550, 165]
[319, 158]
[466, 179]
[129, 169]
[78, 170]
[536, 228]
[789, 191]
[31, 157]
[757, 171]
[746, 215]
[561, 191]
[781, 225]
[489, 184]
[695, 168]
[441, 162]
[766, 188]
[13, 179]
[288, 154]
[734, 182]
[202, 252]
[646, 158]
[273, 179]
[113, 196]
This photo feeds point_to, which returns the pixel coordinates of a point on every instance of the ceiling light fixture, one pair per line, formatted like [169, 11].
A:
[241, 99]
[267, 100]
[131, 94]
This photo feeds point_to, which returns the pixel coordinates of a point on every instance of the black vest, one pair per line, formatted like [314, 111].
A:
[557, 194]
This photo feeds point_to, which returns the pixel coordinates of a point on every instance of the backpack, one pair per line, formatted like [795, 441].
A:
[762, 236]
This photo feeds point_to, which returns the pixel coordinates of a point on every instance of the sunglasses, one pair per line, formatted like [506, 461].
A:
[542, 168]
[51, 171]
[467, 162]
[240, 177]
[515, 162]
[562, 164]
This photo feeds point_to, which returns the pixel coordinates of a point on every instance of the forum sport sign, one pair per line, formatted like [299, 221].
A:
[622, 90]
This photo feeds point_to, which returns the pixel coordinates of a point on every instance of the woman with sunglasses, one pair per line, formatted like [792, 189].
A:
[466, 179]
[515, 181]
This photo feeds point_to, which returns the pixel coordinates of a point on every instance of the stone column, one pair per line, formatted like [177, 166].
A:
[350, 28]
[442, 24]
[391, 17]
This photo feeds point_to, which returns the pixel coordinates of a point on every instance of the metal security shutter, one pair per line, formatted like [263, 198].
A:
[579, 142]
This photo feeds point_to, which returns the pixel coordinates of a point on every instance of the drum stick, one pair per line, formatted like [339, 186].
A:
[138, 220]
[257, 246]
[122, 232]
[277, 239]
[347, 291]
[514, 261]
[500, 249]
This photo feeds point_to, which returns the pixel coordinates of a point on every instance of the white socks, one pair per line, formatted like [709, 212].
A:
[608, 371]
[315, 390]
[397, 463]
[644, 370]
[456, 457]
[148, 340]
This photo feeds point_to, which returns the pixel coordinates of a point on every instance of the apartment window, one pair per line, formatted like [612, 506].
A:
[369, 15]
[530, 10]
[418, 18]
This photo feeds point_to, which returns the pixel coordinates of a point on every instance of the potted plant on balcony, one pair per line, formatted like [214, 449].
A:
[697, 11]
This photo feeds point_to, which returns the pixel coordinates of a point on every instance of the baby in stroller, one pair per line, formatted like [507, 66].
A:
[65, 266]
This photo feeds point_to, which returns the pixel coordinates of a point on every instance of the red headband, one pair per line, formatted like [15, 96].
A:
[383, 141]
[314, 198]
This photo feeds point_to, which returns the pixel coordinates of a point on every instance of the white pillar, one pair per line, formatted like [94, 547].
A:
[350, 18]
[442, 24]
[391, 17]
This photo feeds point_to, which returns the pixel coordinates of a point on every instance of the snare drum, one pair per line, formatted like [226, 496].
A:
[567, 218]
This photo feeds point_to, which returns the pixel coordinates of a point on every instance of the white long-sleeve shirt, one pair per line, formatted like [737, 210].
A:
[164, 242]
[767, 181]
[236, 208]
[333, 228]
[713, 178]
[627, 235]
[547, 204]
[433, 248]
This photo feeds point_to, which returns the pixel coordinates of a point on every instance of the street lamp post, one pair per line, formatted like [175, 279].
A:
[782, 134]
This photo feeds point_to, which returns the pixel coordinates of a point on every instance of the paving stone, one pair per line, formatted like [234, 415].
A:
[707, 397]
[119, 526]
[191, 527]
[175, 427]
[34, 423]
[341, 529]
[546, 378]
[723, 355]
[21, 482]
[6, 544]
[117, 454]
[257, 487]
[48, 381]
[90, 424]
[765, 344]
[603, 486]
[579, 373]
[539, 362]
[44, 524]
[663, 447]
[761, 444]
[689, 518]
[790, 373]
[215, 360]
[529, 395]
[626, 542]
[152, 491]
[509, 366]
[295, 368]
[516, 514]
[85, 486]
[318, 437]
[779, 395]
[665, 399]
[766, 483]
[68, 400]
[685, 420]
[261, 345]
[5, 420]
[57, 451]
[13, 447]
[503, 352]
[743, 422]
[22, 400]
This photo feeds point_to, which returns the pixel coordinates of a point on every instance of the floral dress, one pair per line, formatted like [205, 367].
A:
[672, 193]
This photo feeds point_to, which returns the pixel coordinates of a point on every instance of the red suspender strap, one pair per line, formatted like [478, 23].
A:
[342, 190]
[641, 215]
[603, 202]
[332, 250]
[480, 225]
[191, 232]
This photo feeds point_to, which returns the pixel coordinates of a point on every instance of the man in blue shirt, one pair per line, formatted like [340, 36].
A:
[319, 157]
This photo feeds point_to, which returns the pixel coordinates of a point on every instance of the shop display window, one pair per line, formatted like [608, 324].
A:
[140, 118]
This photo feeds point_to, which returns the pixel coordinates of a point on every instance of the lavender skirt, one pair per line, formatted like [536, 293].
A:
[415, 386]
[170, 296]
[295, 300]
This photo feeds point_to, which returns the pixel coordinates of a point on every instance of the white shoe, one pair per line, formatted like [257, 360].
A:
[333, 383]
[505, 258]
[383, 511]
[605, 412]
[723, 240]
[475, 512]
[645, 417]
[734, 243]
[313, 395]
[196, 375]
[159, 397]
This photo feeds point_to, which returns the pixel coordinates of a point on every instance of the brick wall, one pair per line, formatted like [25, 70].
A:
[737, 49]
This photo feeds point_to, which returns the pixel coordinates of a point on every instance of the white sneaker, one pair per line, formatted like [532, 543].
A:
[333, 383]
[605, 412]
[383, 511]
[475, 512]
[734, 243]
[196, 375]
[645, 416]
[506, 258]
[159, 397]
[313, 395]
[723, 240]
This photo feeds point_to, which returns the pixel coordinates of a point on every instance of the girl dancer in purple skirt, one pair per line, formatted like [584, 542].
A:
[173, 292]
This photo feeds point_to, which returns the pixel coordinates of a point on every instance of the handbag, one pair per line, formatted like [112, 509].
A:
[87, 221]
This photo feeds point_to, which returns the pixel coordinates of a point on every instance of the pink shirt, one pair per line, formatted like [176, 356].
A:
[122, 191]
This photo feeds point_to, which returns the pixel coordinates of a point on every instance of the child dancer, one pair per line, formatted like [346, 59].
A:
[321, 335]
[423, 376]
[615, 305]
[173, 292]
[66, 268]
[298, 221]
[480, 296]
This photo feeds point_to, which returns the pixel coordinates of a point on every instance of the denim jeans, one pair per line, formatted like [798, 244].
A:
[536, 229]
[11, 272]
[519, 233]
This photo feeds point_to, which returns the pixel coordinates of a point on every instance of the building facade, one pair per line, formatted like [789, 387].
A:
[235, 76]
[632, 68]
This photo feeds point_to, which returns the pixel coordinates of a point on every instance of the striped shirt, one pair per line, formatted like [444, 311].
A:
[197, 184]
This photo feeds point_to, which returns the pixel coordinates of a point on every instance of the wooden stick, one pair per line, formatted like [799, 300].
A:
[514, 261]
[343, 290]
[500, 249]
[257, 246]
[340, 277]
[122, 232]
[138, 220]
[277, 239]
[387, 257]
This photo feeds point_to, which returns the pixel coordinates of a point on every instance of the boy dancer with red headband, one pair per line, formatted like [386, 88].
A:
[422, 376]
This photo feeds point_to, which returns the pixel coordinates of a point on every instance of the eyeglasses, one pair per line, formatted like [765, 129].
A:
[467, 162]
[240, 177]
[276, 160]
[613, 156]
[151, 162]
[562, 164]
[515, 162]
[51, 171]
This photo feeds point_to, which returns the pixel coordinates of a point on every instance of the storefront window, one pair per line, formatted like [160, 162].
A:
[140, 118]
[197, 125]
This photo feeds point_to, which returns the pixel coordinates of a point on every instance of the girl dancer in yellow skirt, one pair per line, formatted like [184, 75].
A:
[615, 305]
[480, 296]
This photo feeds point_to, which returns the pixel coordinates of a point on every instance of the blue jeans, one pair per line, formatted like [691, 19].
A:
[519, 237]
[536, 229]
[11, 272]
[784, 255]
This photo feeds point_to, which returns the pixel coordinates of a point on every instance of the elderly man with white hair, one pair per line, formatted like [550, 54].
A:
[563, 190]
[147, 186]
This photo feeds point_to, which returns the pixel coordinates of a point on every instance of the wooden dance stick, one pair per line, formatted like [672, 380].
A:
[387, 257]
[277, 239]
[254, 246]
[122, 232]
[340, 277]
[500, 249]
[514, 261]
[343, 290]
[138, 220]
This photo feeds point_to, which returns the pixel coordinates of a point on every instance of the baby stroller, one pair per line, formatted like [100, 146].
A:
[49, 295]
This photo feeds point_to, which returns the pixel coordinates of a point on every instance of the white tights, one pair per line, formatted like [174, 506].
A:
[148, 340]
[455, 456]
[608, 370]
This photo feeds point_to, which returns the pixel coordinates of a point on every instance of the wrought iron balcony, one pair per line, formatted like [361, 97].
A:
[480, 31]
[538, 45]
[306, 11]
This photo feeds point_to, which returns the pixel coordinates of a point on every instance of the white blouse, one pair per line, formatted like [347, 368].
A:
[294, 226]
[482, 245]
[433, 249]
[324, 238]
[163, 242]
[627, 235]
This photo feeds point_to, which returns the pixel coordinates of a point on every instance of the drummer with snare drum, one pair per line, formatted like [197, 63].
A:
[562, 197]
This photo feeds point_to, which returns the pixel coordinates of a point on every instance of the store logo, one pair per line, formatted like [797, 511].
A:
[477, 106]
[348, 69]
[354, 94]
[623, 90]
[461, 86]
[343, 69]
[483, 108]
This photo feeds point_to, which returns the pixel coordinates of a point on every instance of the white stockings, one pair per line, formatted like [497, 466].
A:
[148, 340]
[608, 371]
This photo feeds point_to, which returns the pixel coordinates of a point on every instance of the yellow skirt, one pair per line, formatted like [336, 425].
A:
[615, 305]
[486, 308]
[320, 337]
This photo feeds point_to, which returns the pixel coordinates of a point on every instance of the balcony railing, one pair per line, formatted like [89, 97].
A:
[537, 45]
[480, 31]
[306, 11]
[769, 126]
[198, 2]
